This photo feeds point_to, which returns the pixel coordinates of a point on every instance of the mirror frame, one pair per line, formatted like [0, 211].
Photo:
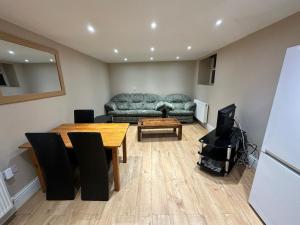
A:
[32, 96]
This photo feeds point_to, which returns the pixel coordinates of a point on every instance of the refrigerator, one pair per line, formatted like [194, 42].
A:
[275, 192]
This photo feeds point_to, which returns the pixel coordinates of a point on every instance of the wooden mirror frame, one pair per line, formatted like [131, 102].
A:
[32, 96]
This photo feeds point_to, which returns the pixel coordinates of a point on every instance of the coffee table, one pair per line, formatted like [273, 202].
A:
[159, 123]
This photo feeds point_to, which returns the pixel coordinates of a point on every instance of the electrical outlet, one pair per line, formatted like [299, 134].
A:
[8, 173]
[14, 168]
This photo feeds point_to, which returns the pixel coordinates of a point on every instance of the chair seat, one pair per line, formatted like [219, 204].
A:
[179, 112]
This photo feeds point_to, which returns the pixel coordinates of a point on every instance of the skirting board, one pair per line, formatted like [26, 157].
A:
[26, 193]
[209, 127]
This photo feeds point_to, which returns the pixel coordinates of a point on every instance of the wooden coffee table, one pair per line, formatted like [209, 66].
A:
[159, 123]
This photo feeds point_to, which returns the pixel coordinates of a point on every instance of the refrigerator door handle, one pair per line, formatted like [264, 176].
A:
[282, 162]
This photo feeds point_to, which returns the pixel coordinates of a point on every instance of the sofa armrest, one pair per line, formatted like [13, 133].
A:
[110, 106]
[191, 106]
[160, 106]
[169, 106]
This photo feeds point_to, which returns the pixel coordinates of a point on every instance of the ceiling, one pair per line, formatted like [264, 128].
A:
[22, 53]
[125, 24]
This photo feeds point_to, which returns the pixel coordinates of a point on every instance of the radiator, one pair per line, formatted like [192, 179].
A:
[5, 201]
[201, 111]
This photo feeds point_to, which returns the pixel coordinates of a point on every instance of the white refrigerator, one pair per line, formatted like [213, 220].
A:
[275, 193]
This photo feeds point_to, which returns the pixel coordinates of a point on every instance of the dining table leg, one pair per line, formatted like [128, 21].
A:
[116, 170]
[124, 150]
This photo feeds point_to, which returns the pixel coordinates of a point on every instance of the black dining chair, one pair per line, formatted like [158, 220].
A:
[94, 162]
[83, 116]
[60, 175]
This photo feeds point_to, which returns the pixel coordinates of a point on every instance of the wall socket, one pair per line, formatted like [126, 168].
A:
[8, 173]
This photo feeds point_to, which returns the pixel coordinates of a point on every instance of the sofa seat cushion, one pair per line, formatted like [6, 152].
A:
[180, 113]
[178, 106]
[136, 113]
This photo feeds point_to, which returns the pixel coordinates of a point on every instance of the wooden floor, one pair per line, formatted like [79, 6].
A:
[160, 184]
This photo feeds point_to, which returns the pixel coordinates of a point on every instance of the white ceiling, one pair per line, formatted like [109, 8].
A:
[125, 24]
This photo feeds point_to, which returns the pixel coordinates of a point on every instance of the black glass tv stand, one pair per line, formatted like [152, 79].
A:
[219, 154]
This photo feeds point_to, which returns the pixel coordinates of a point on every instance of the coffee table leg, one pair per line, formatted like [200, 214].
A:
[180, 132]
[139, 134]
[174, 130]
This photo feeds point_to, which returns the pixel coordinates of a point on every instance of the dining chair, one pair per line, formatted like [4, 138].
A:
[94, 162]
[83, 116]
[60, 175]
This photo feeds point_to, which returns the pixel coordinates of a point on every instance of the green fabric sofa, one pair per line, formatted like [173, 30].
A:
[129, 107]
[181, 107]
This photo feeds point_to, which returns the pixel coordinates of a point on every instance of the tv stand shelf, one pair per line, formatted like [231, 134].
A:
[219, 154]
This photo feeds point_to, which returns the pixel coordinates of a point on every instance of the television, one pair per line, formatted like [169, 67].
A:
[225, 120]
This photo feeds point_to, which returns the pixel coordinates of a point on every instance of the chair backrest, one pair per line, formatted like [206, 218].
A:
[53, 159]
[92, 165]
[84, 116]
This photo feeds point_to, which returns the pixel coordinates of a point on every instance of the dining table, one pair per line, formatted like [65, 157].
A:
[113, 136]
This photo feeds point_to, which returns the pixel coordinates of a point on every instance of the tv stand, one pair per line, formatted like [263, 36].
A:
[219, 154]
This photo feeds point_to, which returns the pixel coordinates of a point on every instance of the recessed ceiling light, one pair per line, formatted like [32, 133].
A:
[11, 52]
[51, 60]
[90, 28]
[152, 49]
[177, 57]
[151, 58]
[219, 22]
[153, 25]
[125, 59]
[189, 47]
[26, 60]
[116, 51]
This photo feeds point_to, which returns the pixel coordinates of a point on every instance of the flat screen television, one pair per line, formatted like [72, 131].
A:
[225, 120]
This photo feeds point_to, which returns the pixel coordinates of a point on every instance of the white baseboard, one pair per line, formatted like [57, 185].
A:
[209, 127]
[253, 161]
[26, 193]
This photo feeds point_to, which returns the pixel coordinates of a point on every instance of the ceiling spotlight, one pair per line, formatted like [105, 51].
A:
[26, 60]
[219, 22]
[177, 57]
[189, 47]
[11, 52]
[51, 60]
[125, 59]
[90, 28]
[152, 49]
[153, 25]
[116, 51]
[151, 58]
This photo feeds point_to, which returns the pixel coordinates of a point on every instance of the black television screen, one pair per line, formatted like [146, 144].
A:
[225, 120]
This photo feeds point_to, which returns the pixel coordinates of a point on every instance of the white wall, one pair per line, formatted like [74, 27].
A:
[87, 86]
[153, 77]
[247, 73]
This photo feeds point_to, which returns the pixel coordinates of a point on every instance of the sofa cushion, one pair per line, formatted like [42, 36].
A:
[136, 105]
[136, 113]
[149, 106]
[151, 98]
[136, 98]
[178, 106]
[177, 98]
[122, 105]
[121, 98]
[180, 113]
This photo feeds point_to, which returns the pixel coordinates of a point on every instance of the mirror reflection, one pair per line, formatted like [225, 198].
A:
[25, 70]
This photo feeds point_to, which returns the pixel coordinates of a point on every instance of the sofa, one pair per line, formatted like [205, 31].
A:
[180, 106]
[130, 107]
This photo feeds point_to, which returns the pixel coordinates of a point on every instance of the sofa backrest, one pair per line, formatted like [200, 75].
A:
[177, 98]
[136, 101]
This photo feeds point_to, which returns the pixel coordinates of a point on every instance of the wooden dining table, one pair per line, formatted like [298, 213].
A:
[113, 136]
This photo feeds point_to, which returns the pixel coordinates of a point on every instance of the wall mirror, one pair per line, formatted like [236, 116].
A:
[28, 71]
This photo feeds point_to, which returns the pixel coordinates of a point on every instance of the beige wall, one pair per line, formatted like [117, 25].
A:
[87, 86]
[153, 77]
[247, 75]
